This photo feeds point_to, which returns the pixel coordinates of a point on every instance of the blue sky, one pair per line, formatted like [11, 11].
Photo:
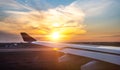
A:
[91, 20]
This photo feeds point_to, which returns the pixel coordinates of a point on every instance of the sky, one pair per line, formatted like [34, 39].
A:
[72, 20]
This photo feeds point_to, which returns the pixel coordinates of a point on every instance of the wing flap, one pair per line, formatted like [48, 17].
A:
[114, 59]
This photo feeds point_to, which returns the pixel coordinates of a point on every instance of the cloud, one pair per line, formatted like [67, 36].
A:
[29, 18]
[13, 5]
[69, 18]
[93, 7]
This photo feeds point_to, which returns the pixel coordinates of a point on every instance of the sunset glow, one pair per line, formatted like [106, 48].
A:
[72, 20]
[55, 35]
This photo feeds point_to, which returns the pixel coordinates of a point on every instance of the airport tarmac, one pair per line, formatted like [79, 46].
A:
[37, 58]
[29, 60]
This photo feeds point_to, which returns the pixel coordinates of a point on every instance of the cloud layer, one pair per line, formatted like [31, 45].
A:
[35, 17]
[69, 18]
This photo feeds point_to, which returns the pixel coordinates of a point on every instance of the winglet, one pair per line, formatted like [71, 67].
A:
[26, 37]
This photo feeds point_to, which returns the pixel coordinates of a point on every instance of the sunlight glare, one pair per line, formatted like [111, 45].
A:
[55, 49]
[55, 35]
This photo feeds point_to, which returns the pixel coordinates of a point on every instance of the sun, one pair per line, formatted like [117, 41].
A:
[55, 35]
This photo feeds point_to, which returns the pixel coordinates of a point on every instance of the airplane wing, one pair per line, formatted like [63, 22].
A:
[102, 53]
[108, 54]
